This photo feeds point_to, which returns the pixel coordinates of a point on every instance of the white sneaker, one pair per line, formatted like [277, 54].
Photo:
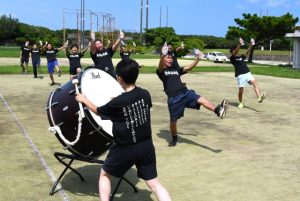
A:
[261, 97]
[223, 108]
[241, 105]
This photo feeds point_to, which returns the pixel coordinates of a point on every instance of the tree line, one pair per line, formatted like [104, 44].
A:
[264, 29]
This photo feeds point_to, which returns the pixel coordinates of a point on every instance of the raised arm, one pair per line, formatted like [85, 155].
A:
[92, 43]
[118, 41]
[194, 63]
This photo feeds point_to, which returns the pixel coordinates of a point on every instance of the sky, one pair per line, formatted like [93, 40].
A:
[187, 17]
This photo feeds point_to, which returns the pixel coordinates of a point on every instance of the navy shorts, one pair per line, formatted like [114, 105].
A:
[177, 104]
[51, 65]
[121, 158]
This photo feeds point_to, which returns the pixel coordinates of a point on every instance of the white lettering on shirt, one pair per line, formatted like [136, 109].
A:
[136, 115]
[101, 54]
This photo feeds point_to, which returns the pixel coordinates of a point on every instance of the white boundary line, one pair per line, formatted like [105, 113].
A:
[35, 150]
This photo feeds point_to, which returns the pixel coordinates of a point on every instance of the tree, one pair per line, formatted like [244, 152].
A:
[263, 29]
[8, 28]
[157, 36]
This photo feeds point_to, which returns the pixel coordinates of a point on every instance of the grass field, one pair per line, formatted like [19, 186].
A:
[251, 154]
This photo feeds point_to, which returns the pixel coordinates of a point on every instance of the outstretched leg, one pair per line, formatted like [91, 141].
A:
[260, 97]
[220, 110]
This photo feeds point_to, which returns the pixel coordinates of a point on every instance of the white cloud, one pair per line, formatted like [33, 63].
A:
[276, 3]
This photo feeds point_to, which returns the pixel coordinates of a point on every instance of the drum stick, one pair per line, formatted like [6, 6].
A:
[75, 82]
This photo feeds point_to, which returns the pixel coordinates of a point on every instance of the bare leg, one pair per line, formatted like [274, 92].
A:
[240, 94]
[104, 186]
[51, 78]
[160, 192]
[26, 68]
[207, 104]
[22, 68]
[255, 87]
[173, 128]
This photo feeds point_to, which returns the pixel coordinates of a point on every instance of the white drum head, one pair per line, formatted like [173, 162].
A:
[100, 87]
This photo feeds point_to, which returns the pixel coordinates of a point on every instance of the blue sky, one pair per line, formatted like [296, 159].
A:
[209, 17]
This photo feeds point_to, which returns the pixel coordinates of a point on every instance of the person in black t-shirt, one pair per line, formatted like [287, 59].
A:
[179, 96]
[102, 56]
[35, 58]
[124, 52]
[74, 59]
[24, 57]
[50, 52]
[133, 145]
[242, 72]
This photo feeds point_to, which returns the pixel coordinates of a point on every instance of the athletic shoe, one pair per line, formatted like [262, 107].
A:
[222, 108]
[241, 105]
[59, 73]
[173, 142]
[261, 97]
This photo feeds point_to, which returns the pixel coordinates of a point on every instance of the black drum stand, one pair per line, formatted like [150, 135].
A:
[62, 156]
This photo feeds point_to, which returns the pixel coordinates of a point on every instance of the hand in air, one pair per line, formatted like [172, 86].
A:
[252, 41]
[241, 41]
[122, 35]
[165, 49]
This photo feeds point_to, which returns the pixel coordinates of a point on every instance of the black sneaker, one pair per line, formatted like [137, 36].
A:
[173, 142]
[223, 107]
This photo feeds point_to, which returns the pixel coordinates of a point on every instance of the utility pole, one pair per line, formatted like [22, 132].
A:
[167, 18]
[141, 22]
[147, 13]
[160, 16]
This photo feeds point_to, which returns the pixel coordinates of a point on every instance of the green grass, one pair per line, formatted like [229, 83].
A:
[276, 71]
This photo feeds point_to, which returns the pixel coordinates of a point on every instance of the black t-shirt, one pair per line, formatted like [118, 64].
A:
[102, 59]
[35, 54]
[240, 67]
[74, 59]
[25, 51]
[130, 114]
[170, 77]
[51, 54]
[125, 55]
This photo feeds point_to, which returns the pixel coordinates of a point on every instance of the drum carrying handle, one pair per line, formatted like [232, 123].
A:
[56, 130]
[75, 82]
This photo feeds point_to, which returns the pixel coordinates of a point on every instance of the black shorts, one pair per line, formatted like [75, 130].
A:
[73, 70]
[121, 158]
[24, 60]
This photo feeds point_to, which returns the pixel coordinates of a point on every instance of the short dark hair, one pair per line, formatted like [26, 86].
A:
[128, 70]
[74, 46]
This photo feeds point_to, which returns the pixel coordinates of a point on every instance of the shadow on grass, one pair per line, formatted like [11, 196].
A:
[89, 187]
[235, 104]
[165, 134]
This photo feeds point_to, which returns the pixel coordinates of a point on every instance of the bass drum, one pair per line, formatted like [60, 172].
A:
[90, 136]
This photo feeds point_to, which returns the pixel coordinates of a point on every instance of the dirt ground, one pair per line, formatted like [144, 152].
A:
[251, 154]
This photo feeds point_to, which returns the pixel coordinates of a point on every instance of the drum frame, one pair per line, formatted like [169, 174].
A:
[62, 156]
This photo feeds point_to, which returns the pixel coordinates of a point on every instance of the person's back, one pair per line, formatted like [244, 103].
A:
[130, 114]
